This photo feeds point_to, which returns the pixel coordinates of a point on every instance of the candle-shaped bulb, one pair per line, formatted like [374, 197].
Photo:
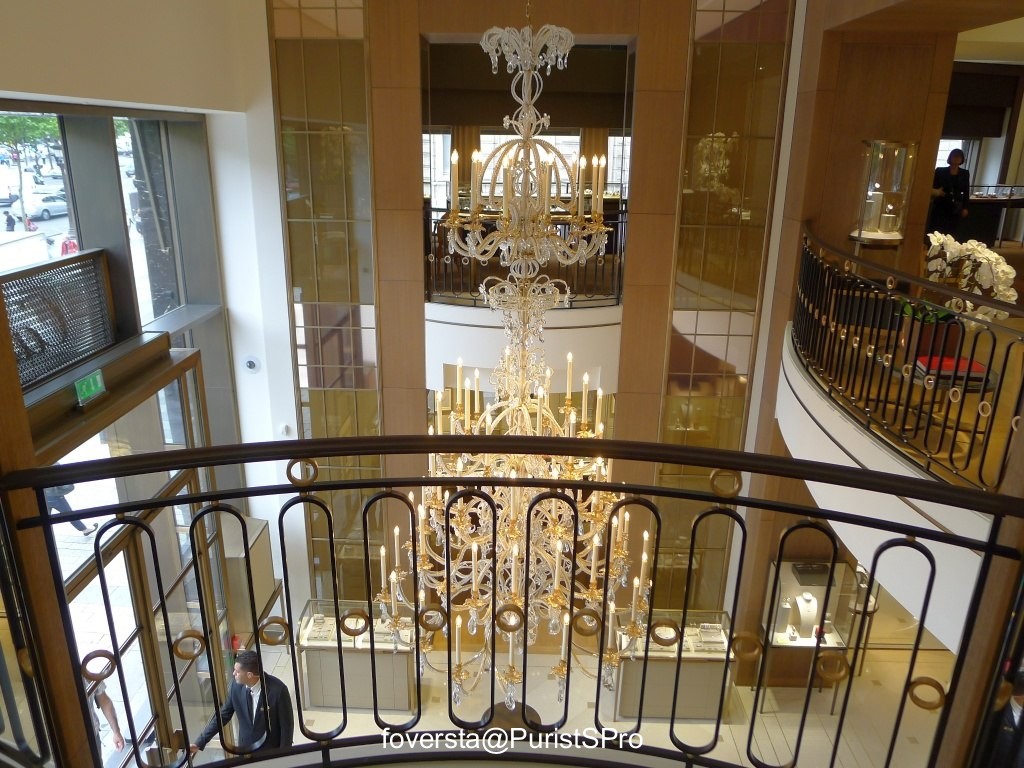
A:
[565, 635]
[610, 629]
[636, 597]
[458, 381]
[476, 551]
[515, 569]
[586, 391]
[540, 408]
[455, 180]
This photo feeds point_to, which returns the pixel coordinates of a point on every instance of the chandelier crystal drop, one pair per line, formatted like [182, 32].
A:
[515, 208]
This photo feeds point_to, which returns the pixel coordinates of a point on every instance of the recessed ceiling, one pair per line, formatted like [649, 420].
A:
[996, 43]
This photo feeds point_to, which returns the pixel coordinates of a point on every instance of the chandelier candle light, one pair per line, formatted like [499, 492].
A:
[473, 552]
[515, 208]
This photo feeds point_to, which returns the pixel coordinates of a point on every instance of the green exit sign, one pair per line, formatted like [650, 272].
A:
[89, 387]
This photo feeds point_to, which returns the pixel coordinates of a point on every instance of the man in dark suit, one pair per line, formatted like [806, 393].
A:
[1008, 747]
[263, 705]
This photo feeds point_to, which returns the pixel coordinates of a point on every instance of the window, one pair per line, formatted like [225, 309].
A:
[945, 147]
[38, 223]
[147, 194]
[618, 165]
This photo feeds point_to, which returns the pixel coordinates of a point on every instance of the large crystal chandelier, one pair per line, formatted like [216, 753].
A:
[516, 208]
[500, 556]
[505, 567]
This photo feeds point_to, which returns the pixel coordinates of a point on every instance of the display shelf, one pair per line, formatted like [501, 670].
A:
[798, 614]
[317, 646]
[885, 189]
[702, 670]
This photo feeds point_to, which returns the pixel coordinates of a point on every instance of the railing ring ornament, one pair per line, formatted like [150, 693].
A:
[907, 371]
[310, 471]
[432, 618]
[985, 409]
[105, 672]
[274, 639]
[580, 625]
[890, 282]
[664, 633]
[362, 622]
[927, 682]
[832, 667]
[726, 492]
[510, 618]
[199, 644]
[25, 663]
[955, 394]
[1015, 423]
[1002, 696]
[747, 640]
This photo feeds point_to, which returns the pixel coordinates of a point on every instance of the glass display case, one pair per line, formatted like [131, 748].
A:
[702, 671]
[798, 614]
[317, 645]
[884, 191]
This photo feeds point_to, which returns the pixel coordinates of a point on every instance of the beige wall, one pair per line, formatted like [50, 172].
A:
[187, 54]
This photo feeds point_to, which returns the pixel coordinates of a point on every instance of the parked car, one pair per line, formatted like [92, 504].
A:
[42, 206]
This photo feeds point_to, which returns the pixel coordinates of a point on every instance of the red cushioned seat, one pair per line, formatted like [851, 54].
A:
[946, 366]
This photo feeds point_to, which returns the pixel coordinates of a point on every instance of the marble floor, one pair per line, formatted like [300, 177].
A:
[773, 738]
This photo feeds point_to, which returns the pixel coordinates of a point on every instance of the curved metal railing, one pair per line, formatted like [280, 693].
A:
[941, 386]
[630, 684]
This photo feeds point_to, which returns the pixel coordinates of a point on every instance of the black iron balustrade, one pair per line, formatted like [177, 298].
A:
[649, 641]
[937, 383]
[597, 283]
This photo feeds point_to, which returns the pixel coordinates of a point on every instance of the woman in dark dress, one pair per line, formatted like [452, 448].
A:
[951, 191]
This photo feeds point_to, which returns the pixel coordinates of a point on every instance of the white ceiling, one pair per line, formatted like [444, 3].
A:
[997, 43]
